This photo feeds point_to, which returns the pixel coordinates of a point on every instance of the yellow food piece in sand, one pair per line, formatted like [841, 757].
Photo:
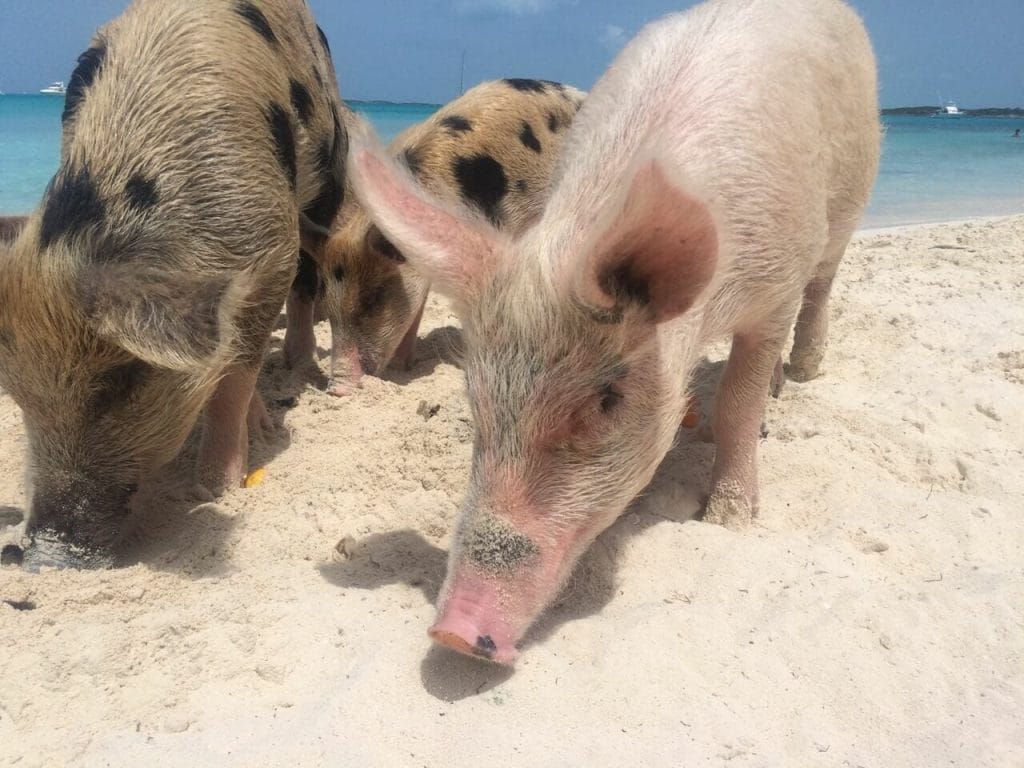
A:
[255, 478]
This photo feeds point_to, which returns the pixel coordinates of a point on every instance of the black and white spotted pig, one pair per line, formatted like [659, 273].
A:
[494, 148]
[145, 286]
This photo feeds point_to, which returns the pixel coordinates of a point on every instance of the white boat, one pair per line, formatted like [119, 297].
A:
[951, 109]
[57, 88]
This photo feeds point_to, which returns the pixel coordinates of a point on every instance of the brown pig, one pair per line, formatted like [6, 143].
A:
[196, 136]
[708, 187]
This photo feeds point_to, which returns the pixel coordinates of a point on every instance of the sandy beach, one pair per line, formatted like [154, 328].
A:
[872, 616]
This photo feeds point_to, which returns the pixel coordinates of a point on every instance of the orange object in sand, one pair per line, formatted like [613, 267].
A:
[692, 417]
[255, 478]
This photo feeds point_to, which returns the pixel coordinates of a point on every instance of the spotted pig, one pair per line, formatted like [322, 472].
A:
[707, 188]
[493, 149]
[142, 291]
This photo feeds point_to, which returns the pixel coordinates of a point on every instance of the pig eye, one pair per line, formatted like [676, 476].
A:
[610, 398]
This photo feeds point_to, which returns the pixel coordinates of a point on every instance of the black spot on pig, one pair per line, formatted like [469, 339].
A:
[302, 101]
[332, 191]
[554, 122]
[89, 64]
[116, 385]
[457, 124]
[323, 41]
[529, 138]
[412, 161]
[73, 205]
[485, 646]
[623, 284]
[339, 273]
[376, 241]
[141, 193]
[255, 19]
[284, 141]
[483, 182]
[307, 282]
[526, 85]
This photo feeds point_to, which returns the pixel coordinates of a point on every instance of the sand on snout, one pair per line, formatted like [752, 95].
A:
[871, 616]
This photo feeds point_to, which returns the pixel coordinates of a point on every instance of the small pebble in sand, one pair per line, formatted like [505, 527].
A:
[427, 410]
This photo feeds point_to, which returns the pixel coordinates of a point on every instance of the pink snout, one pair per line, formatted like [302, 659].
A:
[347, 369]
[472, 622]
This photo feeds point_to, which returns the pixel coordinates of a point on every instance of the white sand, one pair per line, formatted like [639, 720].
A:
[872, 616]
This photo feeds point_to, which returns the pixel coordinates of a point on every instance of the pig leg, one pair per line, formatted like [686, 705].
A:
[811, 332]
[299, 339]
[405, 353]
[739, 410]
[224, 452]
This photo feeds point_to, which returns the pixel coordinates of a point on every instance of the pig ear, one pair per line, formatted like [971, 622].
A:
[453, 248]
[184, 325]
[656, 251]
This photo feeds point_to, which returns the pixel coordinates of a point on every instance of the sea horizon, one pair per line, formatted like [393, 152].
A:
[934, 167]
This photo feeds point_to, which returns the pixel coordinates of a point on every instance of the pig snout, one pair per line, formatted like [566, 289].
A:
[500, 579]
[349, 363]
[74, 528]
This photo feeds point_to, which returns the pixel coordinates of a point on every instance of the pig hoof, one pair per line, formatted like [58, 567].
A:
[49, 549]
[340, 388]
[729, 508]
[258, 420]
[12, 554]
[802, 370]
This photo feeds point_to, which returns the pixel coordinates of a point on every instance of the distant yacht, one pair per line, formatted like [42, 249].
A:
[58, 88]
[951, 109]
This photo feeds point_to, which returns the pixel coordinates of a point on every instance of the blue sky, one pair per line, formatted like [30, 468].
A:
[410, 50]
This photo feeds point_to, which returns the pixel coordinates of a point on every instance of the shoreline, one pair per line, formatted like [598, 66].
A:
[871, 229]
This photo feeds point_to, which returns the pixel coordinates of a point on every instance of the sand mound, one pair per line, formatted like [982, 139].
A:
[871, 616]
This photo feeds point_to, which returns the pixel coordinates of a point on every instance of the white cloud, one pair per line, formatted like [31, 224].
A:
[515, 7]
[612, 38]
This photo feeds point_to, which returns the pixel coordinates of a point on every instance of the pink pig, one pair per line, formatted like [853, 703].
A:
[709, 187]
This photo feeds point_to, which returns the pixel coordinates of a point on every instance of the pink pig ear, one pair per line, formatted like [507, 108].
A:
[657, 250]
[452, 248]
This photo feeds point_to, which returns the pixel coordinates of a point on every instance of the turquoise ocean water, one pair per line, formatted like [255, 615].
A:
[933, 169]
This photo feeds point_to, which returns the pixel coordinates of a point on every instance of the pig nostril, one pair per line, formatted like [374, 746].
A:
[485, 646]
